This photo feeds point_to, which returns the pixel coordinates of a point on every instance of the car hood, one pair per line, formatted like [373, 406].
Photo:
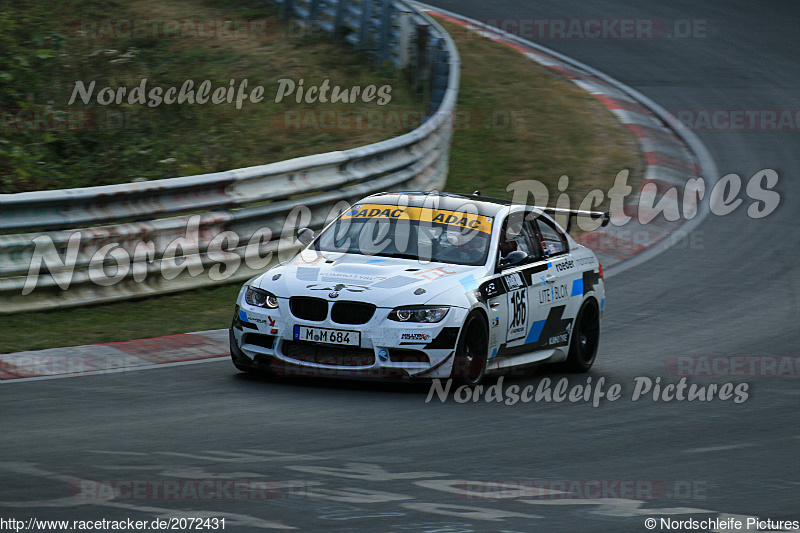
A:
[383, 281]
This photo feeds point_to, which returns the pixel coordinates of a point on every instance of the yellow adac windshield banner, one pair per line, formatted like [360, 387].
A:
[445, 217]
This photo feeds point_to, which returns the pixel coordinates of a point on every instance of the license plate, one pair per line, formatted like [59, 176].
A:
[327, 336]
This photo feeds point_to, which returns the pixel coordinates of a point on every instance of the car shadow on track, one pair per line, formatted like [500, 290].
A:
[520, 377]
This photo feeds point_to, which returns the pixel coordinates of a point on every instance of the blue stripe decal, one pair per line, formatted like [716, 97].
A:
[577, 287]
[371, 261]
[469, 283]
[243, 316]
[535, 332]
[494, 354]
[602, 303]
[549, 265]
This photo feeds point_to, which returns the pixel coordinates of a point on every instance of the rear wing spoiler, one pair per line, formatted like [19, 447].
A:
[572, 213]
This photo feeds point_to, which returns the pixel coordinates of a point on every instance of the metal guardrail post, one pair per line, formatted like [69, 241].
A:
[341, 8]
[313, 17]
[385, 31]
[421, 39]
[364, 23]
[423, 61]
[439, 74]
[406, 28]
[288, 8]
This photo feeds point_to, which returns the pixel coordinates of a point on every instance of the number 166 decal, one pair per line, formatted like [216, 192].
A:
[517, 314]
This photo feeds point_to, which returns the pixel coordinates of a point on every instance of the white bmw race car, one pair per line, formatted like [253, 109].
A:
[425, 285]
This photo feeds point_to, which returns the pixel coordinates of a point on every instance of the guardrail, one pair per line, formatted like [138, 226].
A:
[90, 245]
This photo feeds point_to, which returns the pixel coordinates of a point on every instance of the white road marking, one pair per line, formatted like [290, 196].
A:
[719, 448]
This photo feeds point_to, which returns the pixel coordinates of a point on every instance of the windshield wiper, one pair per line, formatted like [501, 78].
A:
[399, 255]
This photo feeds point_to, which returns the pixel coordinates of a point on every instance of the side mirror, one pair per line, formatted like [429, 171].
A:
[513, 259]
[305, 236]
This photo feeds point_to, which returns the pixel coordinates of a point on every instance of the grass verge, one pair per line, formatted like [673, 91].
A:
[517, 121]
[54, 137]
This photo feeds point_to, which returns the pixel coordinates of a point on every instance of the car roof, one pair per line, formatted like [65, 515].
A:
[485, 205]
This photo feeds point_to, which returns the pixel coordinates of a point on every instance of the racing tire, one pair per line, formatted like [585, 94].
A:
[237, 355]
[471, 356]
[585, 339]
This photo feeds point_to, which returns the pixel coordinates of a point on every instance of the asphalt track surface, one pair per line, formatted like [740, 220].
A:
[376, 457]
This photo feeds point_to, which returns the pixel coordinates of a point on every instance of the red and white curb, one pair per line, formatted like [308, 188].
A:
[672, 157]
[112, 357]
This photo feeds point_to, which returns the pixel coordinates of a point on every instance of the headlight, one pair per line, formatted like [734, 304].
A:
[260, 298]
[418, 314]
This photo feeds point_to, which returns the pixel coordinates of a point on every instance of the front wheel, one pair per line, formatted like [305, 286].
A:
[469, 365]
[237, 356]
[585, 338]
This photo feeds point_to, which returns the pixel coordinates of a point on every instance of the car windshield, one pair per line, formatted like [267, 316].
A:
[420, 233]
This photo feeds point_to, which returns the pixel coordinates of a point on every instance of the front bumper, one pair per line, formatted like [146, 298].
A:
[386, 349]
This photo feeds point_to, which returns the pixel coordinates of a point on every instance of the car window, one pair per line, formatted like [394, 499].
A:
[553, 241]
[518, 237]
[411, 233]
